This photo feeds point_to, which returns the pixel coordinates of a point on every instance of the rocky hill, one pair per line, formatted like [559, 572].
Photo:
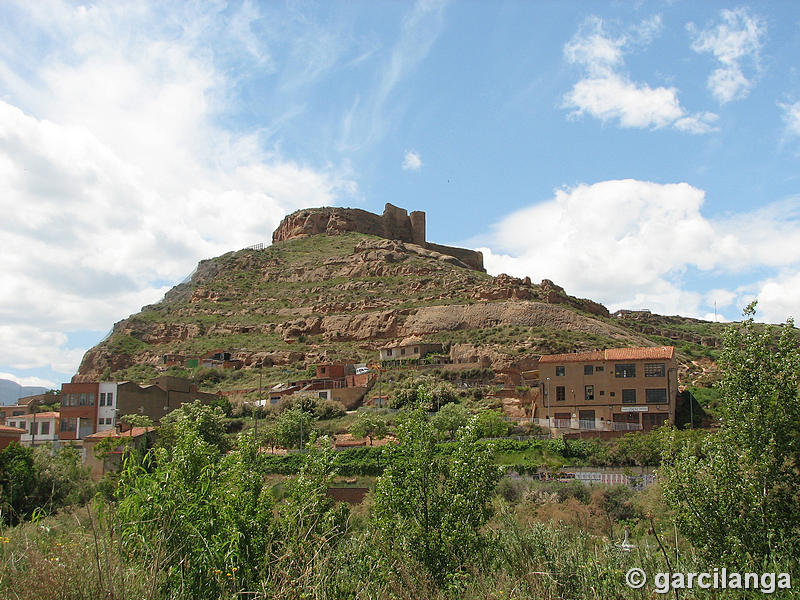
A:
[337, 284]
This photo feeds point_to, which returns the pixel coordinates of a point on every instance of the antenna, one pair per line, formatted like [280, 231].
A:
[715, 311]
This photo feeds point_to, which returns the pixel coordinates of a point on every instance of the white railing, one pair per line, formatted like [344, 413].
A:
[587, 424]
[561, 423]
[626, 426]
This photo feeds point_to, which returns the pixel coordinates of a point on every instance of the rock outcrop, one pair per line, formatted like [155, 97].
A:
[394, 224]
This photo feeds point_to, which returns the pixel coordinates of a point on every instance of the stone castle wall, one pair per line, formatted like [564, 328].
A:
[395, 224]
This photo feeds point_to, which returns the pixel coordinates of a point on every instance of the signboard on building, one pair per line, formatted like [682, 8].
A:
[635, 408]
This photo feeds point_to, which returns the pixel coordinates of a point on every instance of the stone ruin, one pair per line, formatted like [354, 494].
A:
[394, 224]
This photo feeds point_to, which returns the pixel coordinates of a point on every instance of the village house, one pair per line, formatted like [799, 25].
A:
[9, 434]
[24, 405]
[111, 458]
[408, 351]
[619, 389]
[217, 358]
[342, 382]
[87, 408]
[40, 428]
[12, 410]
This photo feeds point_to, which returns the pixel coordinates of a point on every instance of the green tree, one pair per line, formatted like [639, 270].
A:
[17, 482]
[294, 427]
[432, 507]
[207, 421]
[310, 524]
[61, 478]
[321, 408]
[491, 424]
[370, 425]
[201, 519]
[437, 394]
[451, 418]
[136, 420]
[738, 499]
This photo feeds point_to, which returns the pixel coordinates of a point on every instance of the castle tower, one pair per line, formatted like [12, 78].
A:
[417, 219]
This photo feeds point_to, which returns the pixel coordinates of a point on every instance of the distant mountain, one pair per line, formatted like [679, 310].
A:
[10, 391]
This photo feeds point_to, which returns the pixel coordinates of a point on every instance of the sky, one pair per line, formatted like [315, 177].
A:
[642, 154]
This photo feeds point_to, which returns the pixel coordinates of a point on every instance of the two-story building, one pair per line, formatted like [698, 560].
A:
[88, 408]
[619, 389]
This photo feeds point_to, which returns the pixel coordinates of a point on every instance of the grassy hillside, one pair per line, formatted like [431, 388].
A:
[342, 297]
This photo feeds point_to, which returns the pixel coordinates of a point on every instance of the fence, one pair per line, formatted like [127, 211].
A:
[637, 482]
[259, 246]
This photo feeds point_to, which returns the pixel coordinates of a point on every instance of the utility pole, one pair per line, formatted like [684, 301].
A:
[549, 422]
[258, 402]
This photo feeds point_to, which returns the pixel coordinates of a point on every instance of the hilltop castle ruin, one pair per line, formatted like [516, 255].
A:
[394, 224]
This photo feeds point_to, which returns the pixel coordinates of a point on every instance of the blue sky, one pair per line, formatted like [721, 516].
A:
[641, 154]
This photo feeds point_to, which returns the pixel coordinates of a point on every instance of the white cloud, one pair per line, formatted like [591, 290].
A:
[116, 175]
[607, 93]
[735, 40]
[778, 297]
[628, 244]
[30, 381]
[722, 298]
[791, 116]
[412, 161]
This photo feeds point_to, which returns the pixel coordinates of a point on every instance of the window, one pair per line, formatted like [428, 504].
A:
[561, 393]
[402, 351]
[561, 371]
[629, 396]
[602, 393]
[625, 370]
[613, 394]
[588, 369]
[82, 401]
[416, 350]
[389, 352]
[651, 420]
[69, 424]
[589, 392]
[44, 428]
[654, 369]
[90, 399]
[599, 369]
[658, 396]
[102, 401]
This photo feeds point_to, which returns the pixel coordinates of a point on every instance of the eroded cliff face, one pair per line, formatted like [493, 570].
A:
[394, 224]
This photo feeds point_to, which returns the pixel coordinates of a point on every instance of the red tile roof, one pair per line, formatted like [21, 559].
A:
[647, 353]
[133, 432]
[7, 429]
[41, 415]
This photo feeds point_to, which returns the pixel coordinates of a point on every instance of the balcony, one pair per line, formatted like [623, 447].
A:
[587, 424]
[561, 423]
